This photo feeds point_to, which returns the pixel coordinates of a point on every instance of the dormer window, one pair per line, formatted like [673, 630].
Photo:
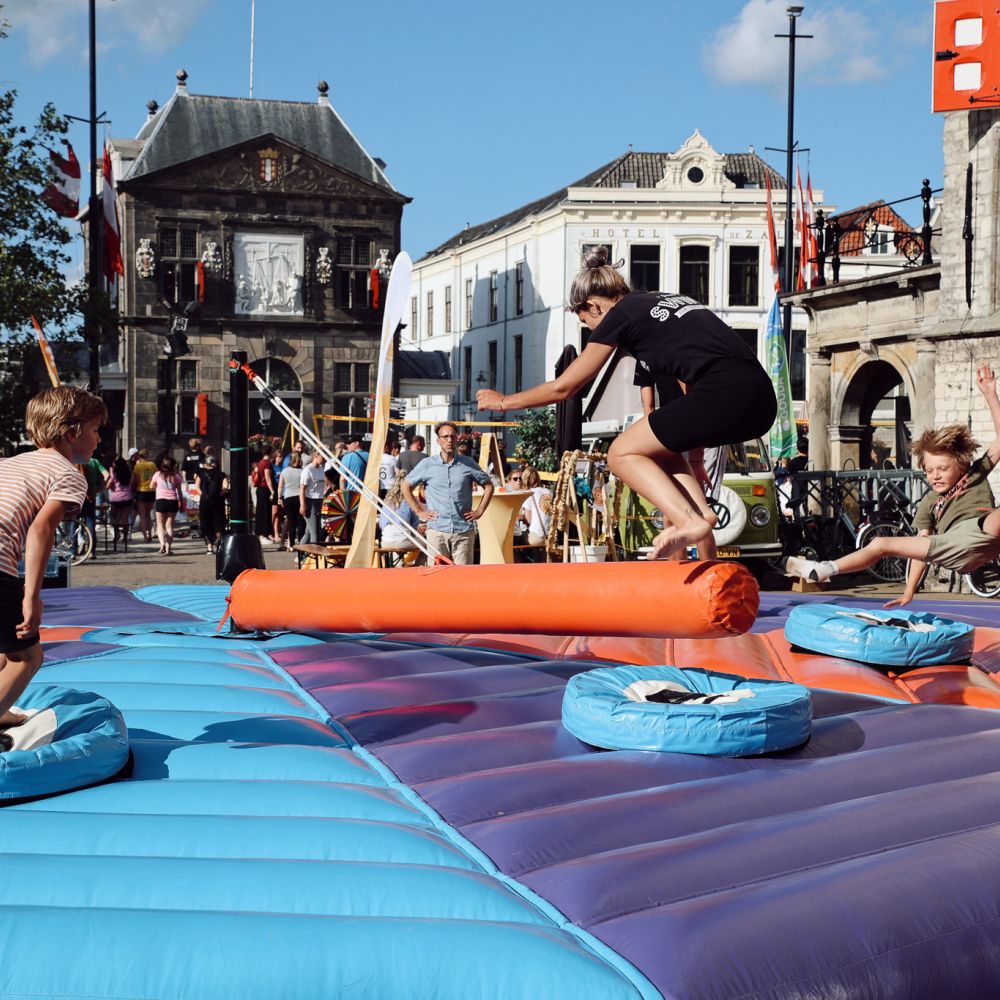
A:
[695, 175]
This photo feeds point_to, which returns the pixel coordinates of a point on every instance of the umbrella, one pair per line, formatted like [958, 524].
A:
[569, 412]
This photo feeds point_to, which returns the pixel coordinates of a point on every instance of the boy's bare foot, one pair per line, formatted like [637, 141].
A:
[12, 718]
[674, 538]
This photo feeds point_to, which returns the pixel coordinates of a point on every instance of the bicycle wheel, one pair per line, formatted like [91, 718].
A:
[985, 581]
[889, 569]
[74, 541]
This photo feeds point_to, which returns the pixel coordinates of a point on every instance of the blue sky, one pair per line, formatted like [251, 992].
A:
[478, 108]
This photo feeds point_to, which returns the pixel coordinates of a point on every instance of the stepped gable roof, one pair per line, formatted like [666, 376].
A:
[645, 170]
[190, 126]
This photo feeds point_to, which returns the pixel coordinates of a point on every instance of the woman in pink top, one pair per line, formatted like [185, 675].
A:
[121, 482]
[169, 496]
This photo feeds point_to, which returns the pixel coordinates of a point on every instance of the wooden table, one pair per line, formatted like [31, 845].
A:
[496, 527]
[321, 556]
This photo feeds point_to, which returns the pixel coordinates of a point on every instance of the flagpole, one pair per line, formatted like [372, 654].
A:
[95, 223]
[793, 13]
[251, 45]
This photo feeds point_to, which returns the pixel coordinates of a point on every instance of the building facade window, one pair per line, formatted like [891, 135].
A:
[429, 332]
[518, 363]
[748, 335]
[695, 273]
[354, 261]
[744, 276]
[494, 297]
[588, 247]
[351, 388]
[644, 267]
[882, 241]
[413, 317]
[519, 288]
[281, 377]
[467, 372]
[468, 303]
[177, 392]
[797, 363]
[178, 264]
[492, 384]
[447, 308]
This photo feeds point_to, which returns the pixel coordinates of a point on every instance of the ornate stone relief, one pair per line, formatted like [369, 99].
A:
[212, 257]
[324, 266]
[269, 269]
[145, 259]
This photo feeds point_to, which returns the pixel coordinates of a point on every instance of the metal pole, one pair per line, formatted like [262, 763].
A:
[788, 277]
[95, 225]
[239, 548]
[251, 45]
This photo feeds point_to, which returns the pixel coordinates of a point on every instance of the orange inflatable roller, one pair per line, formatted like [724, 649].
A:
[669, 599]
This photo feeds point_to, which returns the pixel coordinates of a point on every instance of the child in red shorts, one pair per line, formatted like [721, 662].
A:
[37, 490]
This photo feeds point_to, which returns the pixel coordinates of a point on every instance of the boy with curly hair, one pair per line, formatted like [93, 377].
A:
[957, 525]
[37, 490]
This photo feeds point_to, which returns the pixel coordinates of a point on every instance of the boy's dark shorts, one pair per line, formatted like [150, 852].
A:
[12, 614]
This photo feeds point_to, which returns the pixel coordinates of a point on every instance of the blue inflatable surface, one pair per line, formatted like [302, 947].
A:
[71, 739]
[749, 717]
[893, 638]
[358, 817]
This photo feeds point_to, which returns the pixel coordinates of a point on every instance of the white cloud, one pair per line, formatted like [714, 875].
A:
[53, 28]
[745, 51]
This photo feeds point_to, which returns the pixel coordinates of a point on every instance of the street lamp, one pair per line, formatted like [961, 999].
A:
[264, 413]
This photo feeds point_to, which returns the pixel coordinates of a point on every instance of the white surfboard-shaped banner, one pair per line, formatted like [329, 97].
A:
[397, 295]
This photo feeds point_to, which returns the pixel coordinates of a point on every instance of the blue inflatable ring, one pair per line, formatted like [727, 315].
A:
[839, 631]
[76, 739]
[597, 710]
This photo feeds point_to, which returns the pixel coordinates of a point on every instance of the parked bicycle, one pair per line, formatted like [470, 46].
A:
[74, 541]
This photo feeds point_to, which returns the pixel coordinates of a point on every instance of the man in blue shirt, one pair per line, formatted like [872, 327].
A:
[448, 513]
[356, 460]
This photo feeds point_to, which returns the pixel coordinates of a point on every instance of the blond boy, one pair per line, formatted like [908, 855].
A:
[37, 490]
[957, 525]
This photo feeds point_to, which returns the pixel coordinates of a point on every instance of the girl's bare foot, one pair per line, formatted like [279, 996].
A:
[668, 541]
[11, 718]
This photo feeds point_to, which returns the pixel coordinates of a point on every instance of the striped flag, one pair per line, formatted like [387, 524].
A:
[50, 361]
[813, 240]
[801, 224]
[63, 192]
[781, 441]
[782, 437]
[112, 240]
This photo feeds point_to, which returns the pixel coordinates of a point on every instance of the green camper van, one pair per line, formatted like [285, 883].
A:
[747, 532]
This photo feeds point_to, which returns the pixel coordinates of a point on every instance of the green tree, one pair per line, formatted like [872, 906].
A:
[537, 439]
[33, 262]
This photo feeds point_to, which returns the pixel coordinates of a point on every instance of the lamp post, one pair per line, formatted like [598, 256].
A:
[264, 413]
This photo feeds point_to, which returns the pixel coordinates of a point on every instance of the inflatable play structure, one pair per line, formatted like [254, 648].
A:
[339, 809]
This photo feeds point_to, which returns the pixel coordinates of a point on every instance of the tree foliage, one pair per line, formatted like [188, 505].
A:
[537, 439]
[33, 263]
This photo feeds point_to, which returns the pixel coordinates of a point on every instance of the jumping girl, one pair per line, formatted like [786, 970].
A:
[729, 397]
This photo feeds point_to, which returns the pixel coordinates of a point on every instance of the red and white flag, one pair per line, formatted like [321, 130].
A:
[813, 238]
[802, 224]
[63, 192]
[772, 239]
[112, 240]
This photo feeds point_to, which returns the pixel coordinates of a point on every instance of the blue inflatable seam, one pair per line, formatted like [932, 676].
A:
[624, 968]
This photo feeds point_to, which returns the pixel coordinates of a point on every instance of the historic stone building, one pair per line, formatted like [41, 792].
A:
[915, 332]
[266, 222]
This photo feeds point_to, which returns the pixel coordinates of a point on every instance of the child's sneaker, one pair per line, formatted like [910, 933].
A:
[810, 569]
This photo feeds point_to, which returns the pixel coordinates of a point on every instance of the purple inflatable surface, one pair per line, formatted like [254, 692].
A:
[865, 863]
[104, 607]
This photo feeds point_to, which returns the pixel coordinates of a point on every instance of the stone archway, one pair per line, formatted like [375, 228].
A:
[285, 383]
[854, 433]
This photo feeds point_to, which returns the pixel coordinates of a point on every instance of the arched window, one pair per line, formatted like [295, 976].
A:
[283, 381]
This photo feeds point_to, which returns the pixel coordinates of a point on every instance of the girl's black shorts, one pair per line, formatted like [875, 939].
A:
[167, 507]
[731, 402]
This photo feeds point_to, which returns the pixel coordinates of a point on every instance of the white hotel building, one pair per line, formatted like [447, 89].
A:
[492, 297]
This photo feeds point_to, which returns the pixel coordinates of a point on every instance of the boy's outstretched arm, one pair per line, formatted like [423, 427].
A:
[986, 382]
[913, 577]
